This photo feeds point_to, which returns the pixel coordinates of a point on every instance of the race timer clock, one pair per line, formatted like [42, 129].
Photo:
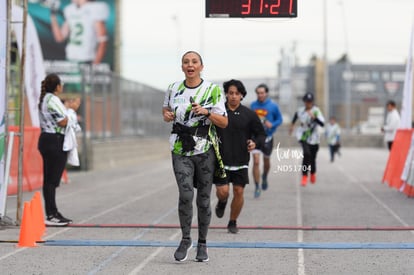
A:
[251, 8]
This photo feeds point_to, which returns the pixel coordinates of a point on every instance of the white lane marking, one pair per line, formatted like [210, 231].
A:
[379, 201]
[114, 255]
[116, 181]
[174, 236]
[299, 222]
[95, 216]
[12, 253]
[153, 255]
[154, 191]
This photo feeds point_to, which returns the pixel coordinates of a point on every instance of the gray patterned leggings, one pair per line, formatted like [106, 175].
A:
[197, 169]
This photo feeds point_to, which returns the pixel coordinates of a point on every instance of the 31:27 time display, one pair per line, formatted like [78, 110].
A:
[264, 7]
[251, 8]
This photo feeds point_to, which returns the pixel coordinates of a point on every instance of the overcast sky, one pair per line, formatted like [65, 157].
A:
[156, 33]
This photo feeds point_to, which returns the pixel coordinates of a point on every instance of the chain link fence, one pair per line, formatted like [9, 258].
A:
[114, 107]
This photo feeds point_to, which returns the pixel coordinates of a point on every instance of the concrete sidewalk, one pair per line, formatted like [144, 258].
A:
[348, 193]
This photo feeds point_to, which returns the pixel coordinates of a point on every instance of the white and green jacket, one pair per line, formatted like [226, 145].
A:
[177, 98]
[308, 130]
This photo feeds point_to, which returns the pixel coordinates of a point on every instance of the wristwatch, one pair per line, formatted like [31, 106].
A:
[209, 112]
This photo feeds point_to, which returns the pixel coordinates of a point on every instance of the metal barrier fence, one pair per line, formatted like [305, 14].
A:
[112, 108]
[115, 107]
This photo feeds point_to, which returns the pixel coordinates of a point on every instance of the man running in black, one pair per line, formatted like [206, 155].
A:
[243, 134]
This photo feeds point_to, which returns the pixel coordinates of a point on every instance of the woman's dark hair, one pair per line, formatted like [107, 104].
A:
[392, 103]
[234, 82]
[49, 85]
[263, 86]
[194, 52]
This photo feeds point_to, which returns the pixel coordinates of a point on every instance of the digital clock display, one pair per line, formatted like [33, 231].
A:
[251, 8]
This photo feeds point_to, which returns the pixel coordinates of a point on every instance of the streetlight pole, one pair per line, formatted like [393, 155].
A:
[348, 74]
[21, 117]
[176, 19]
[325, 60]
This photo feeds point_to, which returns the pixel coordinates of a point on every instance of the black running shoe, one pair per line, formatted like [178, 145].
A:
[182, 251]
[232, 227]
[60, 216]
[220, 207]
[54, 220]
[202, 255]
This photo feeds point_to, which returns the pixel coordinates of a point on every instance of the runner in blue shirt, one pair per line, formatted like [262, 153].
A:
[271, 118]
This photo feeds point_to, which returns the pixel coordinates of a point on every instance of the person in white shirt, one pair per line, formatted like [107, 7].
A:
[392, 122]
[84, 30]
[53, 120]
[333, 133]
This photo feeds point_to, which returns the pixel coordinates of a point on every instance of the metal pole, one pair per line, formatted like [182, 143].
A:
[91, 84]
[114, 105]
[7, 153]
[104, 86]
[325, 60]
[348, 95]
[119, 10]
[8, 61]
[346, 41]
[202, 30]
[176, 20]
[84, 157]
[21, 124]
[348, 73]
[8, 156]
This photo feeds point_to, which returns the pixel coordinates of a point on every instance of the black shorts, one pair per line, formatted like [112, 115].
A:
[237, 177]
[268, 148]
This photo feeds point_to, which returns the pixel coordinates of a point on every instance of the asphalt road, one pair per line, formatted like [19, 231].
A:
[282, 232]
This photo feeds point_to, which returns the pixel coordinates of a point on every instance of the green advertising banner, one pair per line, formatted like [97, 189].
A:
[75, 34]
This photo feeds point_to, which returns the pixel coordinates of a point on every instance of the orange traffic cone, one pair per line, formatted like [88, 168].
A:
[27, 237]
[37, 217]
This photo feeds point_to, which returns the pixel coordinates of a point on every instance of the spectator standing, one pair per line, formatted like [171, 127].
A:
[392, 122]
[53, 120]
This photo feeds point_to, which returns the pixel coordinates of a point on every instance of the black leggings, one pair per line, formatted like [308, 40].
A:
[309, 157]
[54, 161]
[201, 169]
